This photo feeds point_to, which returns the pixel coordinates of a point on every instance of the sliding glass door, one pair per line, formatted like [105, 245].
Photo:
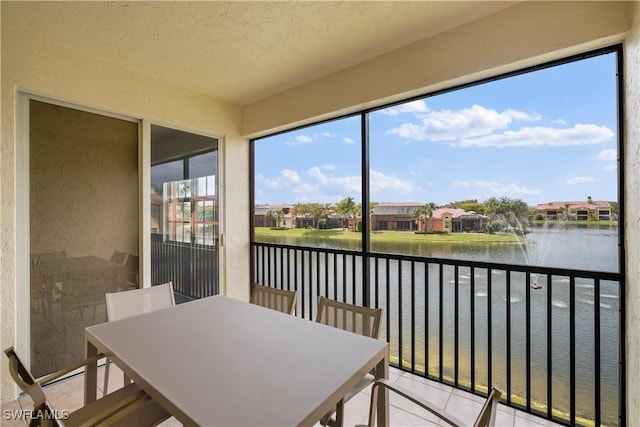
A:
[83, 225]
[184, 212]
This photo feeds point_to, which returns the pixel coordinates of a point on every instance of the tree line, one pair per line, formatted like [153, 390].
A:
[501, 212]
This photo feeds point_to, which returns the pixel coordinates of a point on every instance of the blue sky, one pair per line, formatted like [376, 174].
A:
[544, 136]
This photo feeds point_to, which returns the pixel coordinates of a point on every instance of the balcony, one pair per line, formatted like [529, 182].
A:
[68, 395]
[524, 328]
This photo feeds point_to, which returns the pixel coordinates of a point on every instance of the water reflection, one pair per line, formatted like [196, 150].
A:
[442, 297]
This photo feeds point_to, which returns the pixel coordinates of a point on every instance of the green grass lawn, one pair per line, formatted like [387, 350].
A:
[388, 236]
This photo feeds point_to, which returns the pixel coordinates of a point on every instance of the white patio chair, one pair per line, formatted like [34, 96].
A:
[353, 318]
[125, 304]
[128, 406]
[275, 299]
[486, 417]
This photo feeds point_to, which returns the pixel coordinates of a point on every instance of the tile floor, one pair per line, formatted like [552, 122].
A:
[68, 394]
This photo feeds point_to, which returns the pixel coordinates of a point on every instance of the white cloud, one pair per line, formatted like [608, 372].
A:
[521, 115]
[577, 180]
[497, 188]
[348, 184]
[310, 138]
[348, 140]
[379, 181]
[316, 173]
[559, 122]
[318, 182]
[462, 184]
[290, 176]
[409, 107]
[306, 188]
[448, 125]
[303, 139]
[608, 155]
[580, 134]
[270, 183]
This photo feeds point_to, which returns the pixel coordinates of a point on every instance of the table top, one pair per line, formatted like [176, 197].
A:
[221, 361]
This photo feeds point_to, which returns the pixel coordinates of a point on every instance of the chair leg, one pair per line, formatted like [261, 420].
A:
[106, 376]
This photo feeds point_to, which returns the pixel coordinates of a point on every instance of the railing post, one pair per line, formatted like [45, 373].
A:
[366, 268]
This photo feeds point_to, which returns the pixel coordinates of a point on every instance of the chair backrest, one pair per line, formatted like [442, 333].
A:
[275, 299]
[139, 301]
[119, 257]
[349, 317]
[28, 384]
[132, 263]
[487, 416]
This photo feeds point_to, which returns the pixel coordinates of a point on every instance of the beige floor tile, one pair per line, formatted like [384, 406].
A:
[68, 394]
[467, 395]
[505, 418]
[466, 409]
[12, 414]
[407, 419]
[427, 390]
[523, 419]
[356, 410]
[116, 379]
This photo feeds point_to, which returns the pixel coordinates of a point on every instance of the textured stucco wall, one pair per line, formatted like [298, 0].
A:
[526, 34]
[39, 66]
[632, 219]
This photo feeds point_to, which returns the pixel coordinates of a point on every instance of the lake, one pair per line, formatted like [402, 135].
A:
[567, 247]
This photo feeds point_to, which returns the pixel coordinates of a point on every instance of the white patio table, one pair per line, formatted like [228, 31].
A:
[224, 362]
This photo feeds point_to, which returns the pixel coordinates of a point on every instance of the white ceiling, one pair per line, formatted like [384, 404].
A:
[241, 52]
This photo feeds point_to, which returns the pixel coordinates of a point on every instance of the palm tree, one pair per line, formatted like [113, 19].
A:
[348, 207]
[426, 211]
[277, 215]
[415, 214]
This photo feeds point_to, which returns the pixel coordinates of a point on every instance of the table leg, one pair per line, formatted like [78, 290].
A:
[382, 371]
[340, 414]
[90, 374]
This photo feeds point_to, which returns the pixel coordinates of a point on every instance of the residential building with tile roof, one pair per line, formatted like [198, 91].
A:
[398, 216]
[583, 210]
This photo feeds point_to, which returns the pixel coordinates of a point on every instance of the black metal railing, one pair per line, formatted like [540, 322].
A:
[550, 337]
[193, 269]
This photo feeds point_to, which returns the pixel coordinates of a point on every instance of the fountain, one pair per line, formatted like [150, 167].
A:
[537, 245]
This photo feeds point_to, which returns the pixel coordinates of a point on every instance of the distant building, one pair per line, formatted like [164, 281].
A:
[157, 213]
[398, 216]
[394, 216]
[262, 218]
[575, 210]
[452, 220]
